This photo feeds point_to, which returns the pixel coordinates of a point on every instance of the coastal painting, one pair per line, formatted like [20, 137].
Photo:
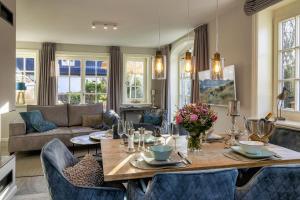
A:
[217, 92]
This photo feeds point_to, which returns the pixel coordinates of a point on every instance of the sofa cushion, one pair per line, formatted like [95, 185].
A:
[91, 120]
[57, 114]
[43, 126]
[86, 173]
[75, 112]
[31, 118]
[80, 130]
[152, 118]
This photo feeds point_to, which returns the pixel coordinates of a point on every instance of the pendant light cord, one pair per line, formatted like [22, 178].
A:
[217, 27]
[158, 14]
[188, 19]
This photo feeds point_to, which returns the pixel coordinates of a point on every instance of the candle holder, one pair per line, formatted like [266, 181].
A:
[233, 112]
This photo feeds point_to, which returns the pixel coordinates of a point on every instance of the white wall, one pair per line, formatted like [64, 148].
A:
[7, 62]
[235, 37]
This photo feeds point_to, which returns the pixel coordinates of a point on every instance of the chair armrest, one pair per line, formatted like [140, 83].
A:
[16, 129]
[101, 193]
[134, 191]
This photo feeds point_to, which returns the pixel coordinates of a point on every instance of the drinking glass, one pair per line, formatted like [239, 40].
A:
[121, 129]
[174, 133]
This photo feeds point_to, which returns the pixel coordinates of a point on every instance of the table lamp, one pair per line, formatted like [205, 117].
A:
[21, 88]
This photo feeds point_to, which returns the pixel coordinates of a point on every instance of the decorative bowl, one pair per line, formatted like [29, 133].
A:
[161, 152]
[252, 147]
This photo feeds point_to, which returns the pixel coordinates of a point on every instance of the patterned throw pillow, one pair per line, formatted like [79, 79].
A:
[91, 120]
[86, 173]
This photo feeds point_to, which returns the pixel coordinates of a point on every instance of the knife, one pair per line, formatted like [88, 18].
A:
[184, 157]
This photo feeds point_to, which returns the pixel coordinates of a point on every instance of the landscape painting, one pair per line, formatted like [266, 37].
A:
[217, 92]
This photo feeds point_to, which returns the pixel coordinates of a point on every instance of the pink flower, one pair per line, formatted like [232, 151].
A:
[214, 118]
[179, 119]
[193, 117]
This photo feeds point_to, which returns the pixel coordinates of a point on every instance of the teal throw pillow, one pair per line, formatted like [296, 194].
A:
[43, 126]
[152, 118]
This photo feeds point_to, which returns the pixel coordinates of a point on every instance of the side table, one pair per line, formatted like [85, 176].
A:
[8, 186]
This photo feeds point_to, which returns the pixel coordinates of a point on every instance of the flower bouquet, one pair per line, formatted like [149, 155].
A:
[196, 119]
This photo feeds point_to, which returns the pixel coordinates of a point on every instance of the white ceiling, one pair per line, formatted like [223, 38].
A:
[69, 21]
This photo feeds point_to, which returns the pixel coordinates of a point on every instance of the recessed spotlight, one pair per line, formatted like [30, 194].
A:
[93, 26]
[115, 27]
[105, 27]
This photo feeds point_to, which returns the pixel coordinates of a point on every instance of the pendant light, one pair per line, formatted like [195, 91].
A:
[217, 63]
[159, 67]
[188, 68]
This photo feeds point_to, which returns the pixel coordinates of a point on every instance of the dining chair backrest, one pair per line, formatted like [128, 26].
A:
[199, 185]
[272, 183]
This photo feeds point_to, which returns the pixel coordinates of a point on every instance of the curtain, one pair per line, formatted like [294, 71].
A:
[164, 86]
[201, 60]
[47, 77]
[115, 79]
[253, 6]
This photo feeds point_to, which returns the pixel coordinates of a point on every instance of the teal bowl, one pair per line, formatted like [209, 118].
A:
[161, 152]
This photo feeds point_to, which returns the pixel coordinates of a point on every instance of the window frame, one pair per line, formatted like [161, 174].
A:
[82, 57]
[279, 16]
[29, 53]
[146, 77]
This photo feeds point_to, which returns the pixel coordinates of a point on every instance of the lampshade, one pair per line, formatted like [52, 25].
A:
[20, 86]
[216, 65]
[188, 62]
[158, 69]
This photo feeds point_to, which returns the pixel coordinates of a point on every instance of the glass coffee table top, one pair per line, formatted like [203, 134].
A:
[100, 135]
[5, 159]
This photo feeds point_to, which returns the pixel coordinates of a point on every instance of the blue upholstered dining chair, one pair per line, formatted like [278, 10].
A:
[199, 185]
[287, 138]
[272, 183]
[55, 157]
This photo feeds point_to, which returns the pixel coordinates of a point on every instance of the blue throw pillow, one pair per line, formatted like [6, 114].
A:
[35, 122]
[152, 118]
[43, 126]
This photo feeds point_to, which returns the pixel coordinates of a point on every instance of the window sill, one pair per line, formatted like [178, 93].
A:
[295, 125]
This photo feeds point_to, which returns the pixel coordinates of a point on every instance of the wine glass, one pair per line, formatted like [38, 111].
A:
[174, 133]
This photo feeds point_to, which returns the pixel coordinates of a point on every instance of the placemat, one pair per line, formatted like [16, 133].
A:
[235, 156]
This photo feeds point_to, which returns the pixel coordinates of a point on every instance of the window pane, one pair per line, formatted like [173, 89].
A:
[90, 85]
[75, 84]
[139, 80]
[74, 98]
[62, 98]
[20, 64]
[101, 98]
[128, 92]
[29, 77]
[102, 85]
[90, 98]
[132, 92]
[63, 84]
[290, 101]
[29, 64]
[289, 33]
[139, 93]
[63, 67]
[101, 68]
[90, 68]
[19, 76]
[288, 64]
[75, 67]
[29, 93]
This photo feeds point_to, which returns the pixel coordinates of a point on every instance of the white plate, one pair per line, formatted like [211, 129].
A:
[149, 159]
[264, 153]
[100, 135]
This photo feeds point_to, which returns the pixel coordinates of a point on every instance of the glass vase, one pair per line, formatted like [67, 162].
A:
[195, 141]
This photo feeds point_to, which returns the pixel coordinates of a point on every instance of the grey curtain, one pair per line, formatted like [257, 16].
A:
[47, 77]
[201, 60]
[253, 6]
[164, 86]
[115, 80]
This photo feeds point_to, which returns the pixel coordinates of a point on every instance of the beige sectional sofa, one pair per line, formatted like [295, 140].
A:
[68, 119]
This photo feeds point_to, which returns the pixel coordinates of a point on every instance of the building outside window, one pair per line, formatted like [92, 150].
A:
[136, 79]
[184, 83]
[288, 61]
[26, 71]
[82, 79]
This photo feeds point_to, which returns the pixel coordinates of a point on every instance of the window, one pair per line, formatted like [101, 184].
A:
[82, 79]
[136, 79]
[26, 71]
[184, 83]
[288, 61]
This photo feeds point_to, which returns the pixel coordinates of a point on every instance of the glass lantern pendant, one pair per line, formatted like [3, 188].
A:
[216, 67]
[188, 62]
[158, 69]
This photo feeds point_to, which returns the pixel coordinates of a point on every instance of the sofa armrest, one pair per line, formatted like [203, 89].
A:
[16, 129]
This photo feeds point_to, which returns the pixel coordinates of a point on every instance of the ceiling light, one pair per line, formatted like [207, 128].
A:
[105, 27]
[93, 26]
[115, 27]
[216, 63]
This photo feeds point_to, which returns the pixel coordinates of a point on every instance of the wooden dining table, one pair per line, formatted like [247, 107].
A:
[117, 166]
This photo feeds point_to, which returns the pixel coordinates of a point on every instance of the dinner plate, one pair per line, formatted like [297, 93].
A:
[264, 153]
[100, 135]
[149, 159]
